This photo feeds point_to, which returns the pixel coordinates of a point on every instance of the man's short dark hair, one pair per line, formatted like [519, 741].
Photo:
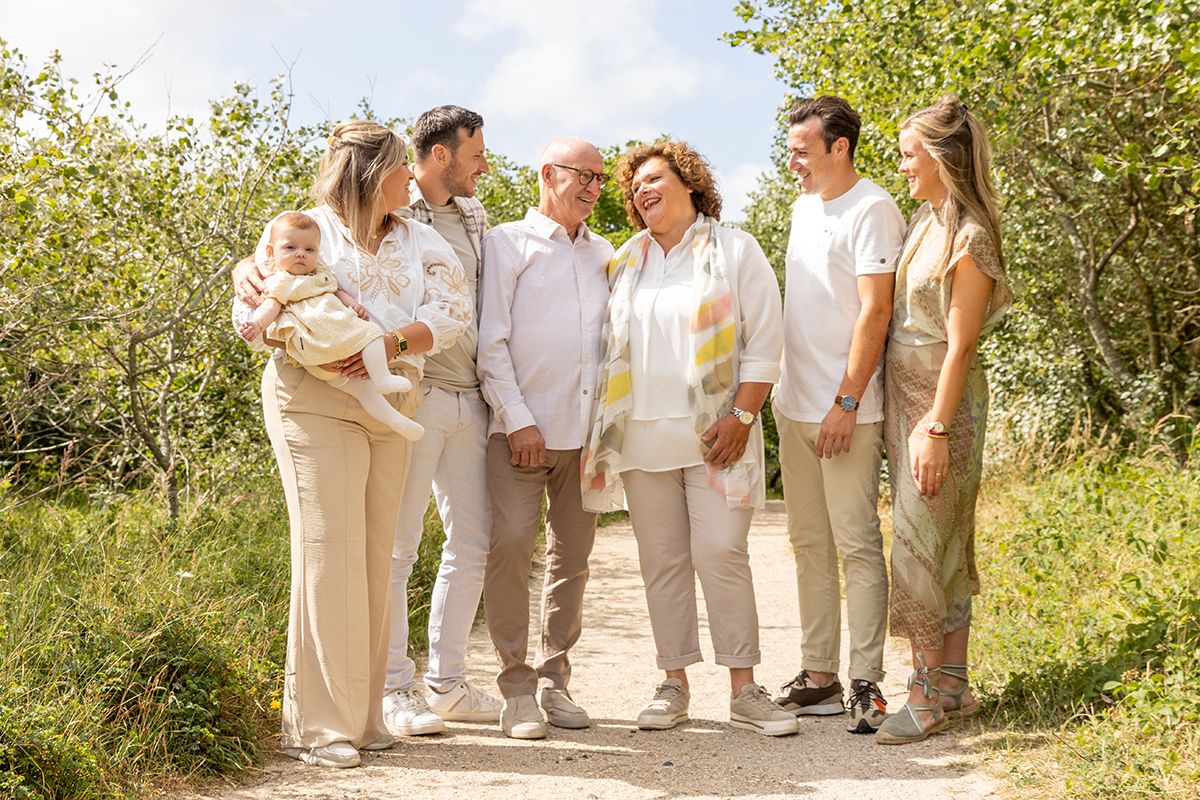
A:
[440, 126]
[838, 119]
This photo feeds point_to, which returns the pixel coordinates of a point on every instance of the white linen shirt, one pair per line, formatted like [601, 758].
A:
[541, 313]
[414, 277]
[659, 434]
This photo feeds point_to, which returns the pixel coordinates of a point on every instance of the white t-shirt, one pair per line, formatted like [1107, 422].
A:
[832, 242]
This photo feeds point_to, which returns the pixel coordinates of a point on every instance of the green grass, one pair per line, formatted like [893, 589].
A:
[134, 651]
[1086, 639]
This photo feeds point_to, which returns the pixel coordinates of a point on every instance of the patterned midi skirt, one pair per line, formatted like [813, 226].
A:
[933, 546]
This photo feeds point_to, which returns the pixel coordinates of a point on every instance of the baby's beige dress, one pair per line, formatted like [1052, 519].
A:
[315, 326]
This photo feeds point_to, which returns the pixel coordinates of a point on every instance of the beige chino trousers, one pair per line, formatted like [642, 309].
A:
[832, 507]
[343, 475]
[516, 498]
[685, 529]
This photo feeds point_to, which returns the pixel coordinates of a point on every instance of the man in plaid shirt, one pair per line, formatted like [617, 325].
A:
[452, 455]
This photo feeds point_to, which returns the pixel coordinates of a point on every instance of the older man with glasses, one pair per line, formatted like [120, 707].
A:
[542, 309]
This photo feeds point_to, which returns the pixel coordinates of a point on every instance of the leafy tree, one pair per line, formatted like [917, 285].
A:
[114, 248]
[1094, 110]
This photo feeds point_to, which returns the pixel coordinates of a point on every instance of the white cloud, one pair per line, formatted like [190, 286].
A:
[184, 65]
[599, 70]
[736, 185]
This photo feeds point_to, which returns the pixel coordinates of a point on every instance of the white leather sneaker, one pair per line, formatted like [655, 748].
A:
[464, 703]
[338, 755]
[406, 713]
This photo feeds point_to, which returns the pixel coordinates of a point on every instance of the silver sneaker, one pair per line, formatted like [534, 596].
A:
[522, 719]
[561, 711]
[668, 708]
[464, 703]
[754, 710]
[406, 713]
[338, 755]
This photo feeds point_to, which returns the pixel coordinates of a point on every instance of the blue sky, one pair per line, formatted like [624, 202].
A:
[606, 70]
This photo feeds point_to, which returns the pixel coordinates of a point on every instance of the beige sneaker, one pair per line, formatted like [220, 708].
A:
[754, 710]
[522, 719]
[561, 711]
[668, 708]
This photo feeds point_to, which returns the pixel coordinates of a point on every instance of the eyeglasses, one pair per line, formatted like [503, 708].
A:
[586, 176]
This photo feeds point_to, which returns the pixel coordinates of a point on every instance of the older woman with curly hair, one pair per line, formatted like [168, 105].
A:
[691, 348]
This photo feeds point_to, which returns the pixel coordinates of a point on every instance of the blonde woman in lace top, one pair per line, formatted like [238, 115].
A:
[950, 289]
[343, 471]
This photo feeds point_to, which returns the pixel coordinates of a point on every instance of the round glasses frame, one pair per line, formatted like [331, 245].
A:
[586, 176]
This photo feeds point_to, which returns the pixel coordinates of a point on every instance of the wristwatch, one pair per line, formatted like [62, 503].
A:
[846, 402]
[743, 416]
[401, 343]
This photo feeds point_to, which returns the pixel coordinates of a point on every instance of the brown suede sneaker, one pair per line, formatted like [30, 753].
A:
[801, 698]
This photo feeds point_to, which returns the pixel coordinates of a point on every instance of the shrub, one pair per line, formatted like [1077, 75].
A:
[1089, 627]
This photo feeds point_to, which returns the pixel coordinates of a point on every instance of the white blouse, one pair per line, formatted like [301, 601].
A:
[659, 435]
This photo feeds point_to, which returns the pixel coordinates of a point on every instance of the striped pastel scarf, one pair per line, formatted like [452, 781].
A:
[711, 373]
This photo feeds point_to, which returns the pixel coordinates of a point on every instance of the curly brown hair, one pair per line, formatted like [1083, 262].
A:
[691, 167]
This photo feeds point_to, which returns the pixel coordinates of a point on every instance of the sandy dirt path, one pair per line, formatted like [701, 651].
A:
[614, 675]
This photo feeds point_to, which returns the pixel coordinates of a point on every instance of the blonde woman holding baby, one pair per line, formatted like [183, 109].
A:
[343, 470]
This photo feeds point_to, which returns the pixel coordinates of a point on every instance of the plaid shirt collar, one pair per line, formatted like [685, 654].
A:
[474, 217]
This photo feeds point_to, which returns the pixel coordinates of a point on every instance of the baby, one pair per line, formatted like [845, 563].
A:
[319, 323]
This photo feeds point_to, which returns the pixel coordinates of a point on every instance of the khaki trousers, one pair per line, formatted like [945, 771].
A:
[343, 474]
[684, 529]
[832, 507]
[516, 497]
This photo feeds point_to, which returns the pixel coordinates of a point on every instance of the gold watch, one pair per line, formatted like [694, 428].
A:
[401, 343]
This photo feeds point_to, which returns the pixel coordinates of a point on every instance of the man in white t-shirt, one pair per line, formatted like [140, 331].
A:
[841, 261]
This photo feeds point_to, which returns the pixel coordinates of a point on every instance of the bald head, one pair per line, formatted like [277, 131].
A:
[561, 196]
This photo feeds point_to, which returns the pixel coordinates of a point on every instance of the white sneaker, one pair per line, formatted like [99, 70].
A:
[522, 719]
[464, 703]
[754, 710]
[339, 755]
[385, 742]
[405, 713]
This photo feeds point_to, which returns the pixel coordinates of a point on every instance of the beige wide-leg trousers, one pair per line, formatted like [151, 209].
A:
[343, 476]
[683, 529]
[831, 508]
[516, 497]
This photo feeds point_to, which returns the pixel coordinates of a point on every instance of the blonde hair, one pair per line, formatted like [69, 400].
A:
[293, 220]
[350, 179]
[957, 142]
